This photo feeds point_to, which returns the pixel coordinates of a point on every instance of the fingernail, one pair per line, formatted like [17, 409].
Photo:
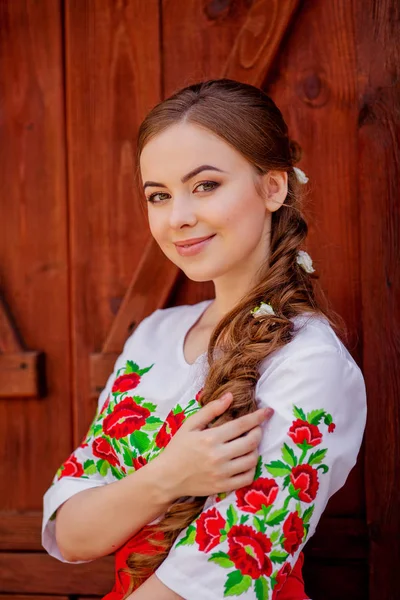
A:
[225, 397]
[268, 412]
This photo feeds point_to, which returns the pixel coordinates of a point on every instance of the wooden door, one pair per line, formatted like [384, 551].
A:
[79, 269]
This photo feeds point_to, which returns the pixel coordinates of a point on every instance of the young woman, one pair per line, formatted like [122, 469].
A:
[184, 473]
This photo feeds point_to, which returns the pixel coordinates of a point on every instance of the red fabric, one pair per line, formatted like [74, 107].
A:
[291, 588]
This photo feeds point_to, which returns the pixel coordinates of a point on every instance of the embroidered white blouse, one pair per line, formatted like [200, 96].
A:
[245, 542]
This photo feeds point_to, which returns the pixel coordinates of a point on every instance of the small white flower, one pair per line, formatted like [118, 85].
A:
[263, 309]
[301, 176]
[305, 261]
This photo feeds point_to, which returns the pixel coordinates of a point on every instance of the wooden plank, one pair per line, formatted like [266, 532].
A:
[23, 573]
[144, 295]
[22, 375]
[35, 435]
[113, 78]
[10, 340]
[378, 67]
[259, 40]
[33, 597]
[20, 531]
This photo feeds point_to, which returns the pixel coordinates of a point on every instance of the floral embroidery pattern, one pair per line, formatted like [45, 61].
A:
[126, 433]
[261, 540]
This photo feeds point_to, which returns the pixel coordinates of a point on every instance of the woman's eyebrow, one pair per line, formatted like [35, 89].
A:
[185, 178]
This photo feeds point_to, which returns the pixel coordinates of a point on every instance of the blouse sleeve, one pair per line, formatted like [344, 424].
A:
[95, 461]
[246, 542]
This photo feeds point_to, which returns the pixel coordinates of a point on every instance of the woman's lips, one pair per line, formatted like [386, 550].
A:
[194, 248]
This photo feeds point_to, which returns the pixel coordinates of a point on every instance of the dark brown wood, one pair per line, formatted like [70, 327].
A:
[259, 40]
[24, 573]
[378, 65]
[32, 597]
[35, 434]
[22, 375]
[20, 531]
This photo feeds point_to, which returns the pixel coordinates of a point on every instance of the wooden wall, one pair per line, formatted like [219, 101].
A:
[76, 78]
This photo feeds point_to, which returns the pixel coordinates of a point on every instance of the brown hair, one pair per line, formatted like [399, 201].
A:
[247, 119]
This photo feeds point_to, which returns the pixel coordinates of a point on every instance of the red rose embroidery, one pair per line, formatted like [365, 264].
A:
[331, 427]
[208, 529]
[293, 531]
[301, 431]
[71, 468]
[169, 428]
[281, 577]
[305, 479]
[127, 416]
[126, 382]
[262, 491]
[248, 549]
[103, 449]
[139, 462]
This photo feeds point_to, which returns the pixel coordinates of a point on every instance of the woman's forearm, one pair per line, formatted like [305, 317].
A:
[154, 589]
[97, 521]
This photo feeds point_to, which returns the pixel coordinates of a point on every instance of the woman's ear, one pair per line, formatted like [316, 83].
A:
[275, 188]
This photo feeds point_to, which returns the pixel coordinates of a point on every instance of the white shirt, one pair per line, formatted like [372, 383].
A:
[242, 543]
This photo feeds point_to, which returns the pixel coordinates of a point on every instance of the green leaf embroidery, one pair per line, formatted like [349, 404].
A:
[237, 583]
[328, 419]
[266, 510]
[324, 468]
[117, 474]
[261, 588]
[231, 516]
[317, 457]
[138, 399]
[146, 370]
[314, 417]
[89, 467]
[152, 423]
[140, 440]
[278, 556]
[177, 409]
[189, 538]
[277, 516]
[286, 481]
[150, 406]
[131, 367]
[258, 472]
[97, 429]
[221, 559]
[288, 455]
[278, 468]
[299, 413]
[293, 492]
[244, 519]
[103, 467]
[259, 524]
[274, 536]
[308, 514]
[127, 454]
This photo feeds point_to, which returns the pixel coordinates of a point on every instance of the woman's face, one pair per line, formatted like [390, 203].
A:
[219, 201]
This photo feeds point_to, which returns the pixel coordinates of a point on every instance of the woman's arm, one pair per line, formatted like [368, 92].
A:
[97, 521]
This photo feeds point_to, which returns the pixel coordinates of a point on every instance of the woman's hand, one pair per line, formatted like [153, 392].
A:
[201, 462]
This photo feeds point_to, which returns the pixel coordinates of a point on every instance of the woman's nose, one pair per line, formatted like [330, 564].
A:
[182, 213]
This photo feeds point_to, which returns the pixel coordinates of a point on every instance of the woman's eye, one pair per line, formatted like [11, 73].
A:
[152, 197]
[210, 185]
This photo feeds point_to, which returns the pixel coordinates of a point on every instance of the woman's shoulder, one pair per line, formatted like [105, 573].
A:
[313, 336]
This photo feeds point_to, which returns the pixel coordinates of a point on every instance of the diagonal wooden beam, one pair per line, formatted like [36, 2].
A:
[258, 41]
[149, 289]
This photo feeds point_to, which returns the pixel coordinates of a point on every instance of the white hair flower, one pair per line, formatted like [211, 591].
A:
[301, 176]
[304, 260]
[262, 310]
